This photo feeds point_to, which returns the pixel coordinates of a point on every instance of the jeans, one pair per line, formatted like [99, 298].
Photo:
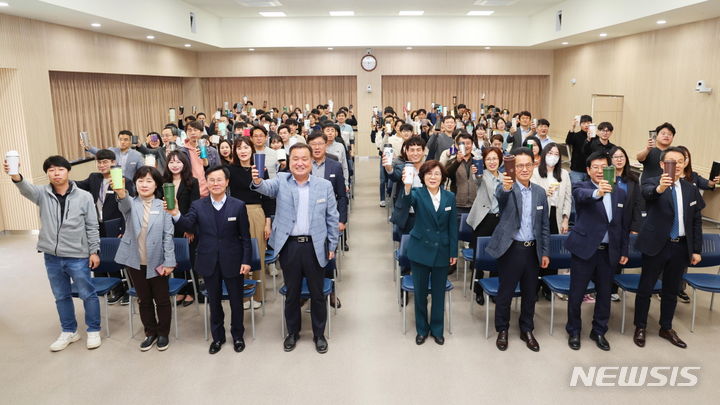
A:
[61, 271]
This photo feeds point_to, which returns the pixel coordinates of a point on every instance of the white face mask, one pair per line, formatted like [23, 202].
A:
[551, 160]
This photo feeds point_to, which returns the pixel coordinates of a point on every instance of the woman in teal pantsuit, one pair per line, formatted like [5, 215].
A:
[432, 247]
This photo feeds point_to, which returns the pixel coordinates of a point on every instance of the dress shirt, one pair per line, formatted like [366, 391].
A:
[435, 199]
[302, 219]
[677, 189]
[218, 204]
[544, 142]
[318, 169]
[607, 202]
[525, 233]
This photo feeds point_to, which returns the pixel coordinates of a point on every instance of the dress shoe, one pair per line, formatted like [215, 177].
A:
[574, 342]
[671, 335]
[239, 345]
[290, 342]
[420, 339]
[529, 339]
[335, 301]
[600, 341]
[187, 303]
[480, 299]
[321, 344]
[502, 340]
[683, 297]
[639, 337]
[163, 343]
[216, 346]
[439, 340]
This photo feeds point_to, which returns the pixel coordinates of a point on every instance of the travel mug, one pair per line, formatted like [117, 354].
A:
[116, 174]
[150, 160]
[609, 175]
[408, 174]
[509, 163]
[669, 167]
[13, 160]
[169, 193]
[203, 149]
[259, 160]
[479, 166]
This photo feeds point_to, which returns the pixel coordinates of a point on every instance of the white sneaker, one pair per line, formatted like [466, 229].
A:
[273, 271]
[382, 203]
[615, 297]
[256, 304]
[93, 340]
[64, 340]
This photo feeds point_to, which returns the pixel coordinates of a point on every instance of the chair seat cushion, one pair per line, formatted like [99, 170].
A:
[249, 289]
[305, 290]
[704, 281]
[175, 285]
[270, 256]
[103, 285]
[560, 284]
[492, 284]
[408, 285]
[631, 283]
[468, 254]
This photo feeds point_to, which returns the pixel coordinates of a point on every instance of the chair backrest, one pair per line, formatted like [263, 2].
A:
[182, 254]
[255, 258]
[634, 255]
[465, 232]
[113, 227]
[403, 260]
[710, 250]
[108, 249]
[484, 261]
[396, 233]
[559, 256]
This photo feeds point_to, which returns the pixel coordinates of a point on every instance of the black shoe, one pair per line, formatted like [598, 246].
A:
[162, 343]
[600, 340]
[125, 300]
[639, 337]
[492, 299]
[530, 341]
[346, 247]
[186, 303]
[239, 344]
[148, 343]
[216, 346]
[480, 299]
[684, 297]
[439, 340]
[321, 344]
[547, 294]
[574, 342]
[290, 342]
[671, 336]
[113, 298]
[420, 339]
[502, 340]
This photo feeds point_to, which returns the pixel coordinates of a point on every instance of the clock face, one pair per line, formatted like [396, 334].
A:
[368, 63]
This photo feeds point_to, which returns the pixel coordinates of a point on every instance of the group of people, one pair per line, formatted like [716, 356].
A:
[223, 197]
[505, 172]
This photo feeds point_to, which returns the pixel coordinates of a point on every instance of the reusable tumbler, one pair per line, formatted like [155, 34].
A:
[509, 163]
[13, 160]
[116, 174]
[259, 159]
[169, 193]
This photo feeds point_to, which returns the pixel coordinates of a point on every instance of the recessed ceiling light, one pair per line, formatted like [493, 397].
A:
[661, 22]
[273, 14]
[3, 4]
[565, 43]
[330, 49]
[342, 13]
[188, 45]
[251, 49]
[487, 47]
[411, 13]
[96, 25]
[409, 48]
[480, 12]
[603, 34]
[150, 37]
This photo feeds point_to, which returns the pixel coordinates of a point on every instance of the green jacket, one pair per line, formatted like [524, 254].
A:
[434, 238]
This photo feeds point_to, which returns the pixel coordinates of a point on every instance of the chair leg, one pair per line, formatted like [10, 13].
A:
[552, 312]
[130, 316]
[329, 317]
[404, 311]
[282, 319]
[487, 314]
[694, 301]
[465, 268]
[449, 306]
[622, 325]
[712, 298]
[107, 317]
[252, 315]
[205, 318]
[175, 318]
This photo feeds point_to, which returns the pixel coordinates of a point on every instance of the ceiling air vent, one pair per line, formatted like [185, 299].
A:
[258, 3]
[494, 3]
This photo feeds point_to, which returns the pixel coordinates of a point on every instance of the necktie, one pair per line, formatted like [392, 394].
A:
[675, 230]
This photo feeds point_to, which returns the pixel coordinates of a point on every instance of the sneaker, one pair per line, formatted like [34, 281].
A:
[93, 340]
[256, 305]
[588, 298]
[64, 340]
[148, 343]
[382, 204]
[684, 297]
[615, 297]
[162, 343]
[125, 300]
[113, 298]
[562, 297]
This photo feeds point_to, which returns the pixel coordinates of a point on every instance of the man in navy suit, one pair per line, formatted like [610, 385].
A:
[221, 227]
[521, 244]
[670, 240]
[331, 170]
[597, 241]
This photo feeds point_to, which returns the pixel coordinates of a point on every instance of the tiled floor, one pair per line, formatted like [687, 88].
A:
[370, 361]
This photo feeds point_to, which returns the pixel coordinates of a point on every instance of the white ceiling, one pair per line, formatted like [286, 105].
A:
[371, 8]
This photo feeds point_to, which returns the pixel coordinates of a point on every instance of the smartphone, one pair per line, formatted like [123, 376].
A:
[217, 114]
[171, 114]
[652, 134]
[85, 138]
[182, 110]
[592, 130]
[194, 110]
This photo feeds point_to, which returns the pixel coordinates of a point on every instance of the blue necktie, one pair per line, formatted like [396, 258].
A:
[675, 230]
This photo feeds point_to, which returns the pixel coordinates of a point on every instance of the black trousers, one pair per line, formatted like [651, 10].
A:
[213, 284]
[519, 264]
[598, 269]
[671, 262]
[486, 227]
[153, 295]
[298, 260]
[549, 271]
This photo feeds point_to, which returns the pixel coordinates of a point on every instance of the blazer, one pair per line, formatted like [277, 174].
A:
[434, 238]
[228, 246]
[591, 223]
[634, 206]
[110, 209]
[660, 213]
[324, 215]
[159, 242]
[186, 195]
[483, 200]
[401, 209]
[564, 192]
[134, 161]
[160, 154]
[510, 203]
[334, 174]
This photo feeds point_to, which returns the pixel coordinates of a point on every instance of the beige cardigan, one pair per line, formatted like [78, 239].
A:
[564, 201]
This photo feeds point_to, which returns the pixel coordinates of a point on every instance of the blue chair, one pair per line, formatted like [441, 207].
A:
[250, 288]
[631, 283]
[705, 281]
[634, 255]
[103, 285]
[560, 284]
[271, 257]
[466, 234]
[175, 285]
[328, 287]
[396, 245]
[113, 227]
[490, 287]
[400, 262]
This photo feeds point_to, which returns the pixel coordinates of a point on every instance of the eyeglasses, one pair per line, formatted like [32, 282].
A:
[527, 166]
[215, 181]
[621, 157]
[597, 168]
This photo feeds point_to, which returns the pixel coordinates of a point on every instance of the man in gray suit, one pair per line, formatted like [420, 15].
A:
[305, 206]
[521, 244]
[129, 159]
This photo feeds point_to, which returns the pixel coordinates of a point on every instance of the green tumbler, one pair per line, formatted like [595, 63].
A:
[609, 175]
[169, 193]
[116, 175]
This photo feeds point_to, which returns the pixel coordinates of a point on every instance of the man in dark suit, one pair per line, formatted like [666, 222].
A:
[110, 219]
[332, 171]
[598, 241]
[524, 130]
[224, 252]
[670, 240]
[521, 244]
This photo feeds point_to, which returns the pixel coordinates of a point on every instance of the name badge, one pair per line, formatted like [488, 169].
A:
[232, 219]
[110, 192]
[154, 212]
[540, 207]
[693, 203]
[620, 205]
[448, 208]
[322, 200]
[332, 175]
